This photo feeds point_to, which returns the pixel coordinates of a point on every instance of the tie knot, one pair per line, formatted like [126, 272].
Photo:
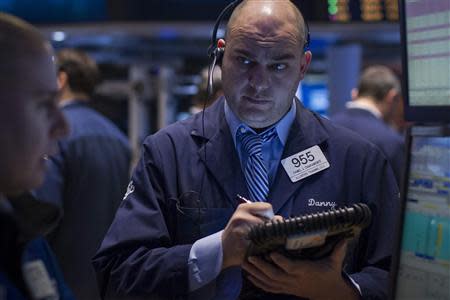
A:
[252, 142]
[268, 135]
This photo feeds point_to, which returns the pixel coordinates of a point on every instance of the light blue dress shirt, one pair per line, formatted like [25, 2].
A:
[271, 150]
[205, 257]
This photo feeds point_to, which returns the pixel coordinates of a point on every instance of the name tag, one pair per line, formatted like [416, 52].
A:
[305, 163]
[38, 280]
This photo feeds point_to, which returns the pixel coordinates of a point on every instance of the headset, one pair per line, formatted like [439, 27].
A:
[217, 46]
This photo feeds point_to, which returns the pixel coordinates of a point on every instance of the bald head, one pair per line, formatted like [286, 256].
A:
[263, 60]
[269, 14]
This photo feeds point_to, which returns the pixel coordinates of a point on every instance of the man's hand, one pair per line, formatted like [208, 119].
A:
[234, 237]
[320, 279]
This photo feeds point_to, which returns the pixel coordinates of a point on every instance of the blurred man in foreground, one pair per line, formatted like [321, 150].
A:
[30, 124]
[87, 177]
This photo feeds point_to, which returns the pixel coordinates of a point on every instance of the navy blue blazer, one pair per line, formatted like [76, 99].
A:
[378, 132]
[184, 188]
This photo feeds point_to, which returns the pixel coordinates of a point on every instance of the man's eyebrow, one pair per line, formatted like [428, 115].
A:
[283, 56]
[276, 57]
[243, 52]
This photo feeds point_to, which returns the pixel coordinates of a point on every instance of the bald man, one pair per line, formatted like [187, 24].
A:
[30, 124]
[181, 232]
[374, 104]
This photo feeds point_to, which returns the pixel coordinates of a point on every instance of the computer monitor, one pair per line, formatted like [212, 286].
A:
[426, 59]
[67, 11]
[421, 263]
[313, 92]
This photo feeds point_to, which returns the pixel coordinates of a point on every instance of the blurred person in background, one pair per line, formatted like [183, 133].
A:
[87, 178]
[30, 124]
[374, 106]
[202, 99]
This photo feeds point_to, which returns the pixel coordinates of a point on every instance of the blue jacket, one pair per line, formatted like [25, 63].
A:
[184, 188]
[378, 132]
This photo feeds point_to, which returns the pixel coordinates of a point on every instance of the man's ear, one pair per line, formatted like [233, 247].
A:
[354, 94]
[391, 96]
[62, 80]
[304, 64]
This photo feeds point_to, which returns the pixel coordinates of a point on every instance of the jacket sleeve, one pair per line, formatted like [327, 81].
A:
[376, 244]
[138, 256]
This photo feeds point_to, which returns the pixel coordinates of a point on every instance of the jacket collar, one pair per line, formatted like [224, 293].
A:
[221, 159]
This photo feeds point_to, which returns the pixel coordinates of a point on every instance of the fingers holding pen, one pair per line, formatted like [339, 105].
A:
[235, 235]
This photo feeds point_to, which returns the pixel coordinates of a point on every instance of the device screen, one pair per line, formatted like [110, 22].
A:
[424, 264]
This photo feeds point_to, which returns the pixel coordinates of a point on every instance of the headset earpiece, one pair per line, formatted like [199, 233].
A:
[221, 44]
[220, 49]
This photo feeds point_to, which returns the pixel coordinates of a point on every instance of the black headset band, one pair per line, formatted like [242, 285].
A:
[228, 9]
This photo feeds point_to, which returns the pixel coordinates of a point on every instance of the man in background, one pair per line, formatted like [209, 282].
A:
[87, 177]
[202, 99]
[372, 107]
[30, 124]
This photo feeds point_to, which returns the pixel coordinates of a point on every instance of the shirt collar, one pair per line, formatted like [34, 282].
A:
[364, 105]
[282, 126]
[69, 102]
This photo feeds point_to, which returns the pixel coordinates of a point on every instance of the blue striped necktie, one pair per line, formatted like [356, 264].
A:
[255, 171]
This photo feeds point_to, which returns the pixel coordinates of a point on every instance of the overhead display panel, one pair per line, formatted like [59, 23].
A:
[64, 11]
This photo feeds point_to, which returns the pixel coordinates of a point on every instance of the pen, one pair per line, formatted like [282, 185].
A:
[268, 214]
[242, 199]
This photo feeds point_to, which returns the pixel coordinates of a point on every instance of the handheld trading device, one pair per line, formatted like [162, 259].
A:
[310, 236]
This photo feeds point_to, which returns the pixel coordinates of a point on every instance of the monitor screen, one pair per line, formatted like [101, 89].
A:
[362, 10]
[423, 256]
[425, 37]
[56, 11]
[63, 11]
[313, 92]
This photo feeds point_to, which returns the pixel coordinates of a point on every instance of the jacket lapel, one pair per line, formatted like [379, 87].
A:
[306, 131]
[221, 159]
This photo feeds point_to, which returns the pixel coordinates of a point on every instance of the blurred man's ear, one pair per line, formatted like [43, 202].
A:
[304, 64]
[389, 105]
[391, 97]
[62, 80]
[354, 94]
